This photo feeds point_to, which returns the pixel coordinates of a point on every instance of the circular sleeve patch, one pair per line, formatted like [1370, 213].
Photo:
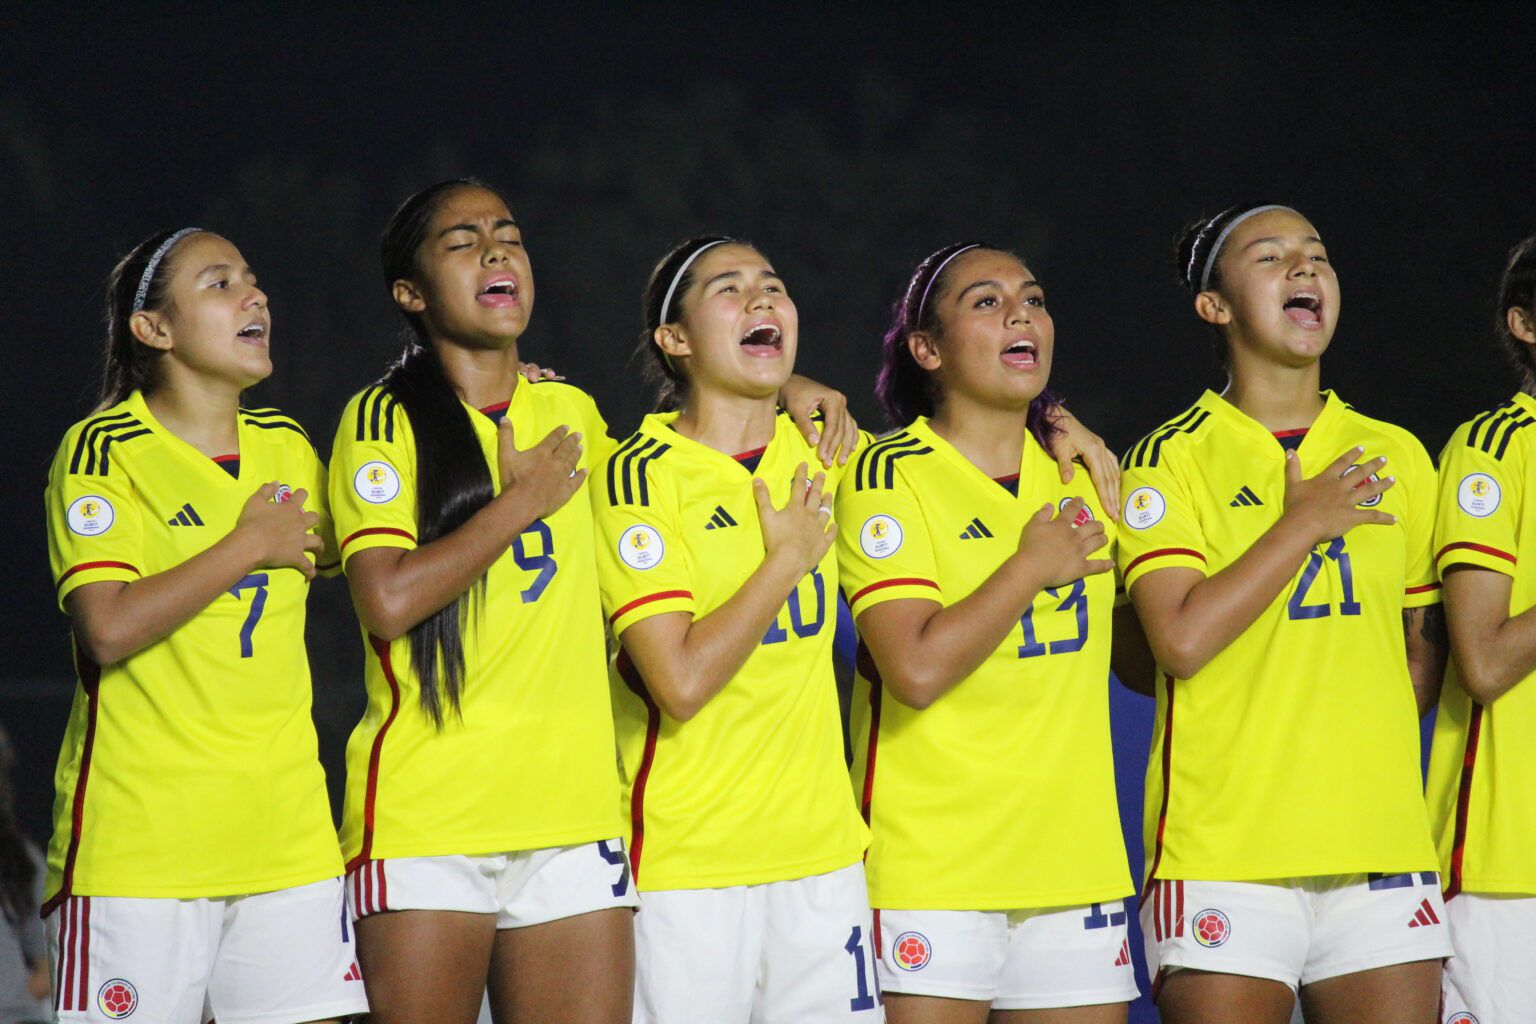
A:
[91, 516]
[1144, 507]
[641, 547]
[880, 536]
[1479, 495]
[376, 482]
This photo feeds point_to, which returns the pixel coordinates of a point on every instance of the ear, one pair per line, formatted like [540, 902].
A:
[408, 297]
[925, 352]
[1212, 308]
[1521, 324]
[151, 329]
[671, 341]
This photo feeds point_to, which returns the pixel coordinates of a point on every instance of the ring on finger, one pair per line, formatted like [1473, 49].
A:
[825, 508]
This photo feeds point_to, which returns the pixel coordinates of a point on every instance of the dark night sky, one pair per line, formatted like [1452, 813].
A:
[848, 140]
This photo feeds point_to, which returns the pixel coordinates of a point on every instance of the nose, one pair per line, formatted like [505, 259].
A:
[1303, 266]
[495, 252]
[1020, 313]
[760, 298]
[257, 298]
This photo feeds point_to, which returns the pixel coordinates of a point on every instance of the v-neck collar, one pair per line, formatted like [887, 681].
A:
[204, 463]
[1251, 430]
[924, 431]
[660, 426]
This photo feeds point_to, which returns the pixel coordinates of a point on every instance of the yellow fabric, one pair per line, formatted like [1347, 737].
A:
[753, 788]
[1001, 794]
[530, 761]
[1485, 472]
[190, 768]
[1295, 751]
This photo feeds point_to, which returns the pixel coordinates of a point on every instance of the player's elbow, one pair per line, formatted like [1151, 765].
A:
[1181, 656]
[679, 698]
[917, 687]
[103, 640]
[1483, 678]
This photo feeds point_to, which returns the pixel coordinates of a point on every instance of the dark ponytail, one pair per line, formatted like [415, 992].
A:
[1517, 288]
[452, 479]
[669, 383]
[906, 390]
[1192, 250]
[128, 364]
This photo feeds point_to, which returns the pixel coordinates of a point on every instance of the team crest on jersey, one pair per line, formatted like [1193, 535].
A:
[1144, 507]
[376, 482]
[911, 951]
[1461, 1018]
[1374, 499]
[1084, 514]
[1479, 495]
[117, 999]
[91, 516]
[1211, 928]
[641, 547]
[880, 536]
[283, 496]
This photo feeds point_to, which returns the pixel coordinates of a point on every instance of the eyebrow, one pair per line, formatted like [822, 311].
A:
[212, 267]
[505, 222]
[1277, 238]
[1031, 283]
[767, 273]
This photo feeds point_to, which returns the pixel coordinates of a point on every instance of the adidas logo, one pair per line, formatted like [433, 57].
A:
[353, 974]
[186, 517]
[1424, 916]
[720, 520]
[1124, 959]
[975, 530]
[1245, 497]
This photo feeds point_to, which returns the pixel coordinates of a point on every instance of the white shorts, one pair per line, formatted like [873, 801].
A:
[1013, 959]
[271, 958]
[522, 888]
[794, 952]
[1492, 977]
[1295, 930]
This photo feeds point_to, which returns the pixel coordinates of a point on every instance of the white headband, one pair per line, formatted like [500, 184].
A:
[666, 303]
[923, 304]
[154, 262]
[1210, 261]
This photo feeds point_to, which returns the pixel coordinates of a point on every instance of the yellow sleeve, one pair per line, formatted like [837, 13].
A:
[1158, 525]
[372, 488]
[95, 527]
[600, 444]
[884, 552]
[643, 568]
[1481, 498]
[1421, 585]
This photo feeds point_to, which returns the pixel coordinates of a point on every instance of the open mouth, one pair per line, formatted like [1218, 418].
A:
[1305, 310]
[254, 331]
[763, 341]
[498, 291]
[1021, 355]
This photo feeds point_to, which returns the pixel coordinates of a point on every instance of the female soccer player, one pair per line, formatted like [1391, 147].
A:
[193, 871]
[1285, 827]
[718, 579]
[481, 823]
[1482, 792]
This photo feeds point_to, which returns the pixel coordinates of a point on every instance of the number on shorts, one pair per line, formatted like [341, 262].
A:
[855, 947]
[1098, 919]
[258, 582]
[616, 857]
[543, 562]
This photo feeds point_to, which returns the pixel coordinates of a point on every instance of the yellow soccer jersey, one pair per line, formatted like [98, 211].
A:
[190, 768]
[753, 788]
[1482, 774]
[530, 761]
[1295, 751]
[1001, 794]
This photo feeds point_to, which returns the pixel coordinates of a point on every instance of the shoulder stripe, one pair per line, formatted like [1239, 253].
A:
[867, 457]
[1487, 421]
[877, 467]
[92, 428]
[362, 412]
[1150, 450]
[283, 424]
[1507, 433]
[98, 451]
[613, 465]
[1139, 450]
[376, 414]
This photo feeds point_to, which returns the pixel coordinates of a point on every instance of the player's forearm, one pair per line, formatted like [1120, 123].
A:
[394, 589]
[920, 667]
[688, 673]
[112, 624]
[1425, 641]
[1490, 660]
[1216, 610]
